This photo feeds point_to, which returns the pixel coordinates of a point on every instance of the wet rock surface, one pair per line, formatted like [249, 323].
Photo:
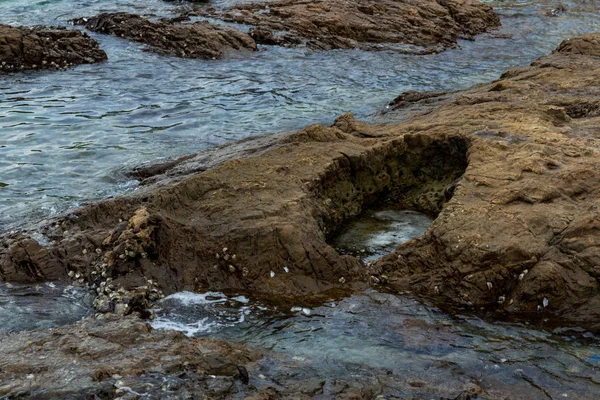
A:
[508, 168]
[121, 358]
[407, 26]
[171, 37]
[42, 47]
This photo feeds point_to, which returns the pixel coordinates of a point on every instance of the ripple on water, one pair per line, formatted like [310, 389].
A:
[416, 349]
[69, 136]
[41, 306]
[376, 233]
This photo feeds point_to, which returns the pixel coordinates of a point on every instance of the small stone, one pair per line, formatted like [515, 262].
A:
[245, 271]
[272, 274]
[84, 251]
[98, 251]
[342, 280]
[286, 269]
[231, 268]
[522, 275]
[501, 299]
[225, 249]
[71, 274]
[436, 290]
[489, 285]
[545, 302]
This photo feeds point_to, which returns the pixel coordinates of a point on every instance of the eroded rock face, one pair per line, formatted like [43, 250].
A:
[426, 26]
[197, 40]
[509, 169]
[24, 48]
[520, 236]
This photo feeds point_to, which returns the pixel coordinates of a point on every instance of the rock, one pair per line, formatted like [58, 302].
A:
[171, 38]
[43, 47]
[407, 26]
[97, 358]
[520, 220]
[523, 221]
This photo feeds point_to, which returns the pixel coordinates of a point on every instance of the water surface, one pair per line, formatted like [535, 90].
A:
[69, 136]
[409, 347]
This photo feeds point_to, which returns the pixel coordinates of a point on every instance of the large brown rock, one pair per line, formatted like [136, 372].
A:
[45, 48]
[509, 168]
[197, 40]
[429, 25]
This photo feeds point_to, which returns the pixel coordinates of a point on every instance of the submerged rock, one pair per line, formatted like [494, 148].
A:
[509, 169]
[118, 358]
[171, 38]
[42, 47]
[407, 26]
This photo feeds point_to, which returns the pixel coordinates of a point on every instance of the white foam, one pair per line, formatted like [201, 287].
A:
[191, 329]
[190, 298]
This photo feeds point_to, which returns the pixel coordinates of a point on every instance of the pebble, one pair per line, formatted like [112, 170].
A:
[522, 275]
[489, 285]
[272, 274]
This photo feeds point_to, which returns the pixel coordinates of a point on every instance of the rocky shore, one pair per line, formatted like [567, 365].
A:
[407, 26]
[171, 37]
[508, 169]
[42, 47]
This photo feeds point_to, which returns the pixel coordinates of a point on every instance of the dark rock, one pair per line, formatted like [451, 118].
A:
[171, 38]
[43, 47]
[421, 26]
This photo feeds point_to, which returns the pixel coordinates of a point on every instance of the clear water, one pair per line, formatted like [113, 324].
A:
[42, 306]
[376, 233]
[67, 137]
[408, 346]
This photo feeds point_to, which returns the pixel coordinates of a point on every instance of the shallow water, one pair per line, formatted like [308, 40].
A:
[69, 136]
[376, 233]
[42, 306]
[410, 347]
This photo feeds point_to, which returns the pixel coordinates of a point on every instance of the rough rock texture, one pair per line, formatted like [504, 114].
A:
[197, 40]
[424, 25]
[45, 48]
[521, 235]
[118, 359]
[125, 359]
[509, 168]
